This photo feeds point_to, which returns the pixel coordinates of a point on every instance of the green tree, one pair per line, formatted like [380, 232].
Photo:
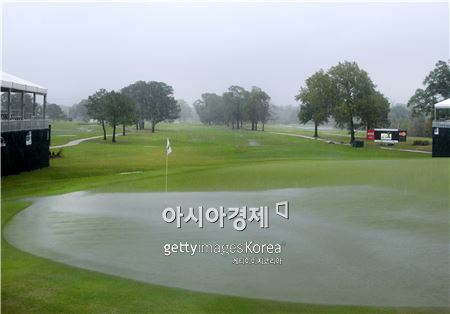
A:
[235, 99]
[154, 102]
[96, 108]
[211, 109]
[55, 112]
[374, 113]
[257, 107]
[119, 108]
[128, 113]
[436, 88]
[186, 114]
[79, 111]
[354, 89]
[317, 99]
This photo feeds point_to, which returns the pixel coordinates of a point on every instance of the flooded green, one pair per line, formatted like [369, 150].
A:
[343, 245]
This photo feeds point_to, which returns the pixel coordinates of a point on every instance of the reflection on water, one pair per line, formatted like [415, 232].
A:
[347, 245]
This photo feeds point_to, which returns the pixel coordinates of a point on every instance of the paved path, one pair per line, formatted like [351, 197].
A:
[406, 150]
[328, 141]
[310, 138]
[78, 141]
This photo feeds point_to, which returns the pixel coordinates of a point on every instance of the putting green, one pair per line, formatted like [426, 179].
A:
[359, 245]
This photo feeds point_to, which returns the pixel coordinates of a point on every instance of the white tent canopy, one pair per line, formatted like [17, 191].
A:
[445, 104]
[15, 83]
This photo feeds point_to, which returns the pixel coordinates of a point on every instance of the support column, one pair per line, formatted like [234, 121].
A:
[22, 105]
[9, 104]
[34, 105]
[44, 105]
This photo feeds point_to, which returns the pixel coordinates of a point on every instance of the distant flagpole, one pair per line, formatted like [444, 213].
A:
[168, 151]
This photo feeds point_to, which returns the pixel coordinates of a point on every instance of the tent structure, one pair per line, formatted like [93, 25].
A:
[441, 130]
[13, 84]
[443, 104]
[17, 84]
[25, 133]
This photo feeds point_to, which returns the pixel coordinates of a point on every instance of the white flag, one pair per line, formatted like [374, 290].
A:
[168, 148]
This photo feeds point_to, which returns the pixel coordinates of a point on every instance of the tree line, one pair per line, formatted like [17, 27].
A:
[347, 94]
[344, 95]
[234, 107]
[133, 105]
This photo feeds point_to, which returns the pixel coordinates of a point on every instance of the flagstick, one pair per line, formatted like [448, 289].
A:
[167, 167]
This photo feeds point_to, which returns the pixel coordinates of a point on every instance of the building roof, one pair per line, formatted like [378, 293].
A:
[17, 84]
[443, 104]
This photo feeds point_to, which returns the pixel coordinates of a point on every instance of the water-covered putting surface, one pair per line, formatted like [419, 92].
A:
[347, 245]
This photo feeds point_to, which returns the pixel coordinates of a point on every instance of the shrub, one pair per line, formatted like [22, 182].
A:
[421, 143]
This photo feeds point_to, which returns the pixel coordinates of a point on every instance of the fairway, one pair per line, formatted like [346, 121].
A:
[366, 215]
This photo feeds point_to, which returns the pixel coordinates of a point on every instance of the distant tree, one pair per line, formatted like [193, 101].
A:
[55, 112]
[139, 93]
[96, 106]
[317, 99]
[235, 99]
[257, 107]
[211, 109]
[264, 113]
[154, 102]
[186, 113]
[128, 113]
[374, 113]
[284, 114]
[436, 88]
[354, 91]
[78, 111]
[119, 108]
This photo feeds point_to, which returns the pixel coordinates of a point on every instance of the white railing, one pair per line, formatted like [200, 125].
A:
[23, 125]
[441, 124]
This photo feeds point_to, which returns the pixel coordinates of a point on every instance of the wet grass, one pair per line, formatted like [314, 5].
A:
[205, 159]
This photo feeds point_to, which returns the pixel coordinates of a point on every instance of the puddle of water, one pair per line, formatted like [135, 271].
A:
[253, 143]
[340, 245]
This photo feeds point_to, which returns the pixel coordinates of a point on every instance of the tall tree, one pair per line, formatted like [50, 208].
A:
[154, 102]
[235, 99]
[317, 98]
[128, 112]
[185, 111]
[96, 108]
[257, 107]
[211, 109]
[138, 92]
[79, 111]
[119, 108]
[353, 90]
[436, 88]
[55, 112]
[374, 112]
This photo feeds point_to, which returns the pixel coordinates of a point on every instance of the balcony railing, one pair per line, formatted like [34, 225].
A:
[441, 124]
[24, 125]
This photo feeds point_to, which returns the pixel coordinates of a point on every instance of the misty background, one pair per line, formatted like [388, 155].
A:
[76, 49]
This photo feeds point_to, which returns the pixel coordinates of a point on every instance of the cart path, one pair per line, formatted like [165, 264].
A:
[78, 141]
[329, 141]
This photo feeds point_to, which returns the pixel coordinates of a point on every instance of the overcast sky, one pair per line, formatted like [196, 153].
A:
[75, 49]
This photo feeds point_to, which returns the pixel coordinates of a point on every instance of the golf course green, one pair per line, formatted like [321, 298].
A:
[391, 206]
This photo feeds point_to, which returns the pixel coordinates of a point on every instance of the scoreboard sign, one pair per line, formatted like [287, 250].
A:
[387, 136]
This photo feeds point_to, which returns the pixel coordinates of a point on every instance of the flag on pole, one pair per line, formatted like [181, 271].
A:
[168, 148]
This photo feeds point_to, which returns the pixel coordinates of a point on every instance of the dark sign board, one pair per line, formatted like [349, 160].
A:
[387, 135]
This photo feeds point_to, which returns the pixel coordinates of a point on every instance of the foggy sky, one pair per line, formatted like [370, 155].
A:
[75, 49]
